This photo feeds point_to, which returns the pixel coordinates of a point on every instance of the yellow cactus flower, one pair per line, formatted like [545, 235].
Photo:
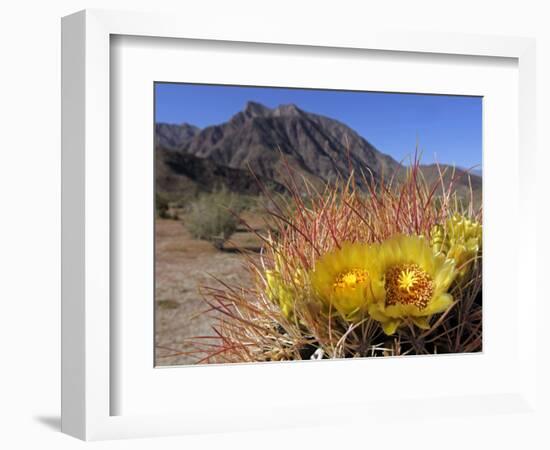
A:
[459, 239]
[415, 283]
[343, 279]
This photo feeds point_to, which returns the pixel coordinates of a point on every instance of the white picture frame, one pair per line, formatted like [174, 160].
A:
[88, 328]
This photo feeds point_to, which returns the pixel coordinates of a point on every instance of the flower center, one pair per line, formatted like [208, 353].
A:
[408, 284]
[350, 279]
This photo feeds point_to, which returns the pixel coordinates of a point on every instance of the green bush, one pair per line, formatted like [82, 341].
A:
[162, 206]
[182, 199]
[212, 217]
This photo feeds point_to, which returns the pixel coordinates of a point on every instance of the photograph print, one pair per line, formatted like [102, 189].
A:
[306, 224]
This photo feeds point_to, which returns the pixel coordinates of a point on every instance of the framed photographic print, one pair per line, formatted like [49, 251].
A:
[266, 229]
[284, 234]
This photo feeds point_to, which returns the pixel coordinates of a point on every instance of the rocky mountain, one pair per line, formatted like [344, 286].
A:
[172, 136]
[263, 140]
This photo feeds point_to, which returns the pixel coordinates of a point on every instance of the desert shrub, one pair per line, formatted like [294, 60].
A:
[162, 206]
[182, 199]
[213, 216]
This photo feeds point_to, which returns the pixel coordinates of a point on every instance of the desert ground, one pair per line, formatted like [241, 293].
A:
[182, 264]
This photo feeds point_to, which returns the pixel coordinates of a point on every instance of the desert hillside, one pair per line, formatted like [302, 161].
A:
[259, 142]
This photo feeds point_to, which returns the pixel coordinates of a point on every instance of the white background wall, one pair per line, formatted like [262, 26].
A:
[30, 189]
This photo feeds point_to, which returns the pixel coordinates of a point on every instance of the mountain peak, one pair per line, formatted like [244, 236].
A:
[256, 137]
[254, 109]
[287, 110]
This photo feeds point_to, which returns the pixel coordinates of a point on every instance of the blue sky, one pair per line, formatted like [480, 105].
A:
[447, 128]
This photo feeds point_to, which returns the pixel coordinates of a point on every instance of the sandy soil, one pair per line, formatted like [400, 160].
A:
[182, 264]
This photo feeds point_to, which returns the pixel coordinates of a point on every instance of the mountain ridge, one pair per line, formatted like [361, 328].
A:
[171, 136]
[265, 140]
